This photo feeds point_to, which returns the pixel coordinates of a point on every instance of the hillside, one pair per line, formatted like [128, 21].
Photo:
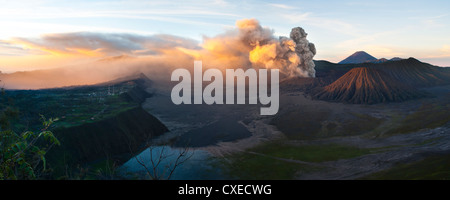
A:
[115, 138]
[403, 77]
[367, 85]
[414, 73]
[96, 122]
[326, 73]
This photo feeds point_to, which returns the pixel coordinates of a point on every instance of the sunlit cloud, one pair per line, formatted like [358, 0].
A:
[101, 44]
[8, 49]
[446, 49]
[444, 52]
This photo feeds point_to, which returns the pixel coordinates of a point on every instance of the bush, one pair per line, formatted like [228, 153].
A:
[22, 156]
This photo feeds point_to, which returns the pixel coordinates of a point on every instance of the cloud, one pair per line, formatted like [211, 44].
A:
[443, 52]
[282, 6]
[103, 44]
[446, 49]
[309, 18]
[7, 49]
[436, 21]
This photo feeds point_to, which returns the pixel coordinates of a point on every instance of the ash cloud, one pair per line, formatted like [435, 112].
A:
[252, 45]
[305, 50]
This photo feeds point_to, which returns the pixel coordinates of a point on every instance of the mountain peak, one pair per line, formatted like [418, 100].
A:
[396, 59]
[358, 57]
[361, 52]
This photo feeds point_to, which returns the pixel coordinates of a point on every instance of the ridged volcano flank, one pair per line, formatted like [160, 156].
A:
[415, 73]
[367, 85]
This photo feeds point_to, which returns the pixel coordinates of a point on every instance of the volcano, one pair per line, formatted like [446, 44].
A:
[367, 85]
[359, 57]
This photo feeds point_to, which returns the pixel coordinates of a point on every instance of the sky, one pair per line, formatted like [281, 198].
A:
[382, 28]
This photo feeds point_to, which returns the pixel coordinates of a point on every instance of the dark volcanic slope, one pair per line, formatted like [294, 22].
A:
[367, 85]
[395, 80]
[409, 71]
[414, 73]
[326, 73]
[359, 57]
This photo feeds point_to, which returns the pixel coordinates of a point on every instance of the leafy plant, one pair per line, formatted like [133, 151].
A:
[22, 156]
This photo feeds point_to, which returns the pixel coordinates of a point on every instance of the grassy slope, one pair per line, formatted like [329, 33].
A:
[306, 124]
[250, 166]
[73, 106]
[435, 167]
[310, 153]
[427, 116]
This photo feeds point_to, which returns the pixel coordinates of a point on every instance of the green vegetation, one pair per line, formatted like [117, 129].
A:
[249, 166]
[306, 124]
[23, 155]
[73, 106]
[310, 153]
[363, 123]
[101, 170]
[95, 111]
[435, 167]
[301, 123]
[427, 116]
[27, 155]
[278, 160]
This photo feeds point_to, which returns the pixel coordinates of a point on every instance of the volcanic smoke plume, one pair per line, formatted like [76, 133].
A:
[305, 50]
[255, 46]
[294, 55]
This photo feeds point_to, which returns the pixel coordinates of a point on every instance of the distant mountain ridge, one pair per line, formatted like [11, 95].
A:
[363, 57]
